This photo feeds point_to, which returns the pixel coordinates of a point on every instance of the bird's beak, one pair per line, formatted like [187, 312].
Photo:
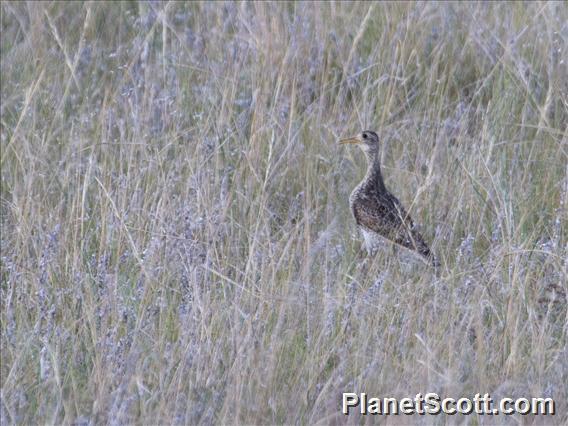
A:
[354, 139]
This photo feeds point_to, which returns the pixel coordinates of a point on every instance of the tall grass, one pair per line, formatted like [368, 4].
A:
[177, 245]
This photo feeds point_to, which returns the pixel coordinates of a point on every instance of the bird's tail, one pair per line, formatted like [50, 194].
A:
[425, 251]
[430, 257]
[414, 241]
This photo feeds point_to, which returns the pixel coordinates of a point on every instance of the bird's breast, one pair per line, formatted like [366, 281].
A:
[357, 194]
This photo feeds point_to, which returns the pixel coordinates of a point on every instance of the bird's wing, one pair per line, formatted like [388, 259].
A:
[385, 215]
[378, 215]
[408, 235]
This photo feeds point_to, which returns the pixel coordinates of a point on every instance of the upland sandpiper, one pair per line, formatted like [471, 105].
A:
[377, 212]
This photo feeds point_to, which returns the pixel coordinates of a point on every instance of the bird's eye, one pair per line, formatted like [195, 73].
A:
[364, 135]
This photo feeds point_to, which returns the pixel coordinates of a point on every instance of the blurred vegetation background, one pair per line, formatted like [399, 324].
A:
[176, 242]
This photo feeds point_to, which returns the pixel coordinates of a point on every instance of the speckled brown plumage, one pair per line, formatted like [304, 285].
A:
[377, 212]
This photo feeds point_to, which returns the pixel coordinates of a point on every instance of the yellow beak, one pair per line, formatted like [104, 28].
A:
[354, 139]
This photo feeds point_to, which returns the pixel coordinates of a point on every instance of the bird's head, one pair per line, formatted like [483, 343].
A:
[368, 141]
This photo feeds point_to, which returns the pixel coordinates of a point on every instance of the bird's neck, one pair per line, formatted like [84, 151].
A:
[374, 175]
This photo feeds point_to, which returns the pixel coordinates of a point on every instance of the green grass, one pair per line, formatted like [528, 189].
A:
[177, 245]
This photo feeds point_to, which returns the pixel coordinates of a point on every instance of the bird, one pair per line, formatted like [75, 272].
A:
[377, 212]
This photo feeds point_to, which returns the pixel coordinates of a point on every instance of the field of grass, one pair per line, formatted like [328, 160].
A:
[176, 240]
